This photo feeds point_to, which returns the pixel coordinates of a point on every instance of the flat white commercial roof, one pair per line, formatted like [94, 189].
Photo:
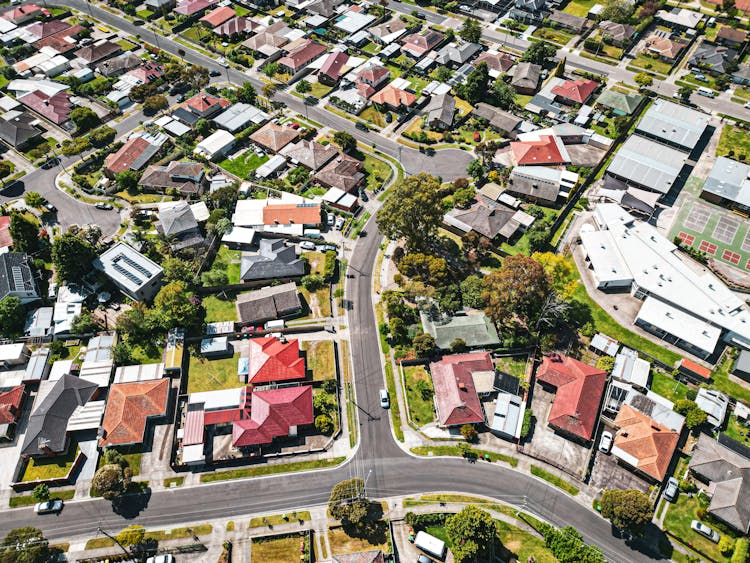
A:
[216, 400]
[674, 123]
[142, 372]
[11, 351]
[609, 264]
[352, 22]
[648, 163]
[686, 327]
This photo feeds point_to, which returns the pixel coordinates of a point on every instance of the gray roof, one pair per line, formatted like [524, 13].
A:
[268, 303]
[457, 52]
[714, 57]
[626, 103]
[538, 182]
[127, 267]
[48, 422]
[119, 64]
[310, 154]
[648, 164]
[177, 219]
[273, 260]
[16, 128]
[730, 180]
[673, 123]
[240, 115]
[525, 75]
[743, 362]
[568, 20]
[15, 274]
[499, 119]
[442, 108]
[488, 220]
[476, 329]
[618, 31]
[743, 73]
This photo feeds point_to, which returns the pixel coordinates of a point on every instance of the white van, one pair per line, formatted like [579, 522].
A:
[703, 91]
[430, 545]
[313, 233]
[274, 325]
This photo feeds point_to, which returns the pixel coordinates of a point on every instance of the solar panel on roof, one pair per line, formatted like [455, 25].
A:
[128, 274]
[17, 276]
[135, 265]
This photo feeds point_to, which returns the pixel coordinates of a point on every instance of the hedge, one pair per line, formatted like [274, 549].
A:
[740, 551]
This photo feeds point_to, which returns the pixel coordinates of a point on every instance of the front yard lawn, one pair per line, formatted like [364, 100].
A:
[677, 522]
[372, 115]
[417, 82]
[376, 538]
[56, 467]
[651, 64]
[554, 35]
[278, 550]
[579, 8]
[376, 172]
[129, 45]
[319, 90]
[220, 308]
[320, 359]
[212, 375]
[419, 392]
[278, 519]
[734, 142]
[244, 164]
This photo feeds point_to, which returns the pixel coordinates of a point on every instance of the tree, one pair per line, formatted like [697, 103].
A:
[345, 141]
[110, 481]
[298, 175]
[5, 169]
[222, 226]
[34, 199]
[84, 324]
[324, 424]
[462, 197]
[560, 68]
[472, 532]
[84, 118]
[567, 546]
[72, 257]
[155, 103]
[561, 271]
[122, 353]
[618, 11]
[102, 136]
[694, 416]
[471, 292]
[24, 545]
[303, 87]
[517, 292]
[471, 30]
[215, 277]
[740, 550]
[413, 211]
[684, 92]
[131, 535]
[202, 127]
[176, 306]
[246, 93]
[127, 181]
[347, 501]
[11, 316]
[73, 147]
[605, 363]
[539, 53]
[313, 282]
[24, 230]
[726, 545]
[41, 493]
[424, 345]
[469, 433]
[475, 88]
[177, 269]
[629, 510]
[442, 74]
[476, 169]
[270, 69]
[643, 79]
[504, 94]
[425, 268]
[398, 330]
[458, 346]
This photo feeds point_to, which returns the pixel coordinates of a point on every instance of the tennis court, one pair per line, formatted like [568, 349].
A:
[686, 238]
[726, 229]
[731, 257]
[698, 218]
[746, 242]
[707, 247]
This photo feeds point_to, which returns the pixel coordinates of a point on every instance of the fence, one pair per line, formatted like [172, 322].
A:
[20, 486]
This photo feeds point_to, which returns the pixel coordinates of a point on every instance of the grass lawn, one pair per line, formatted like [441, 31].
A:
[148, 355]
[372, 115]
[677, 521]
[320, 359]
[420, 403]
[667, 387]
[54, 467]
[172, 482]
[513, 365]
[341, 542]
[456, 451]
[220, 308]
[129, 45]
[734, 140]
[554, 35]
[418, 83]
[140, 198]
[737, 430]
[320, 306]
[228, 260]
[244, 164]
[376, 172]
[606, 324]
[579, 7]
[709, 83]
[133, 459]
[278, 519]
[316, 260]
[723, 383]
[157, 535]
[29, 500]
[318, 90]
[523, 544]
[270, 469]
[212, 375]
[740, 92]
[279, 550]
[558, 482]
[651, 64]
[371, 48]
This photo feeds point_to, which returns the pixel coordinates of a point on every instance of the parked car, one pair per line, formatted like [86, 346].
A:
[164, 558]
[385, 401]
[361, 126]
[424, 559]
[330, 219]
[340, 223]
[605, 442]
[180, 97]
[747, 105]
[214, 72]
[671, 490]
[49, 507]
[388, 117]
[421, 15]
[103, 205]
[704, 530]
[222, 61]
[701, 77]
[294, 125]
[307, 245]
[49, 207]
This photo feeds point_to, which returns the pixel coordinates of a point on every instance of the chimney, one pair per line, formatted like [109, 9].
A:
[462, 386]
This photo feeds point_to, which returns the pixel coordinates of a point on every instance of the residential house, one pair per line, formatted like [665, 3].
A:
[680, 19]
[193, 8]
[395, 96]
[133, 273]
[268, 42]
[274, 413]
[130, 406]
[297, 59]
[644, 445]
[575, 91]
[726, 468]
[55, 108]
[274, 137]
[712, 59]
[218, 16]
[714, 404]
[25, 13]
[11, 408]
[457, 53]
[178, 224]
[542, 184]
[487, 219]
[333, 68]
[456, 399]
[529, 11]
[17, 277]
[236, 28]
[502, 121]
[352, 20]
[498, 63]
[239, 116]
[416, 45]
[215, 145]
[576, 24]
[62, 42]
[343, 172]
[548, 150]
[274, 260]
[387, 32]
[730, 36]
[100, 348]
[96, 53]
[268, 303]
[579, 389]
[205, 105]
[741, 366]
[619, 103]
[621, 33]
[18, 129]
[119, 65]
[475, 329]
[525, 78]
[663, 47]
[6, 240]
[325, 8]
[271, 360]
[187, 178]
[439, 112]
[310, 154]
[41, 29]
[133, 155]
[288, 215]
[159, 6]
[370, 78]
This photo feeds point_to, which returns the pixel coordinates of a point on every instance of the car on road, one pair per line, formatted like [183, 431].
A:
[103, 205]
[311, 100]
[164, 558]
[605, 442]
[361, 126]
[307, 245]
[330, 219]
[50, 208]
[385, 401]
[747, 105]
[339, 223]
[421, 15]
[704, 530]
[49, 507]
[214, 72]
[223, 62]
[671, 490]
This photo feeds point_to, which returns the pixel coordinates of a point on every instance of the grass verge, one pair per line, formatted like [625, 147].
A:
[458, 452]
[278, 519]
[558, 482]
[29, 500]
[271, 469]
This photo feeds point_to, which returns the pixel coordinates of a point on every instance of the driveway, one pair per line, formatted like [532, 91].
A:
[608, 474]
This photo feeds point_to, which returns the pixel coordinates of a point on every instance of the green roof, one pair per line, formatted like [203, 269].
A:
[474, 328]
[626, 103]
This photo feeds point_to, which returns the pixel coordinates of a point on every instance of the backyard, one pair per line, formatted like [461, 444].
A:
[244, 164]
[419, 392]
[228, 261]
[56, 467]
[664, 385]
[277, 550]
[579, 8]
[212, 375]
[220, 307]
[513, 365]
[320, 359]
[558, 36]
[318, 302]
[734, 142]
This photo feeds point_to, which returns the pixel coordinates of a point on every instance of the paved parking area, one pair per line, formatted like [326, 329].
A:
[585, 155]
[608, 474]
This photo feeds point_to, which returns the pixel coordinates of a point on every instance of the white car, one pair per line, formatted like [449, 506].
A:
[605, 443]
[165, 558]
[747, 105]
[222, 61]
[385, 401]
[307, 245]
[704, 530]
[330, 219]
[671, 490]
[340, 223]
[49, 507]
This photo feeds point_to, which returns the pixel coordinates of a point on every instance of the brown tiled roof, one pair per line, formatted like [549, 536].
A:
[274, 136]
[343, 172]
[501, 62]
[11, 401]
[94, 53]
[665, 47]
[394, 97]
[302, 55]
[61, 42]
[649, 442]
[129, 405]
[5, 239]
[732, 34]
[236, 25]
[56, 108]
[311, 154]
[203, 102]
[373, 73]
[45, 29]
[124, 158]
[218, 16]
[455, 393]
[334, 64]
[371, 556]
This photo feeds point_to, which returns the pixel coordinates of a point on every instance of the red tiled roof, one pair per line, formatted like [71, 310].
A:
[420, 43]
[543, 151]
[272, 414]
[273, 136]
[302, 55]
[695, 368]
[203, 102]
[190, 7]
[393, 97]
[741, 5]
[5, 239]
[291, 213]
[62, 41]
[373, 73]
[11, 401]
[22, 11]
[575, 90]
[333, 64]
[270, 359]
[455, 394]
[579, 394]
[147, 72]
[219, 16]
[501, 62]
[56, 108]
[651, 444]
[124, 158]
[129, 405]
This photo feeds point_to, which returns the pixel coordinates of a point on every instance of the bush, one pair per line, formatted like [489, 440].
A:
[726, 545]
[324, 424]
[313, 282]
[329, 268]
[528, 418]
[740, 551]
[469, 433]
[605, 363]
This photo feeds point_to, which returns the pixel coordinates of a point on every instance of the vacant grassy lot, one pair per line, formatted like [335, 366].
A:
[579, 7]
[734, 142]
[280, 550]
[553, 35]
[320, 359]
[677, 521]
[212, 375]
[319, 302]
[342, 543]
[651, 64]
[54, 467]
[244, 164]
[372, 115]
[220, 308]
[419, 392]
[376, 172]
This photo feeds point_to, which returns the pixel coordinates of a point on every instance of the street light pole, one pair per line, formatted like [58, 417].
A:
[114, 539]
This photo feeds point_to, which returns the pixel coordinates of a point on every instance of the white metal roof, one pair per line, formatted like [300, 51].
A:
[648, 163]
[97, 372]
[674, 123]
[215, 143]
[216, 400]
[141, 372]
[686, 327]
[86, 417]
[609, 265]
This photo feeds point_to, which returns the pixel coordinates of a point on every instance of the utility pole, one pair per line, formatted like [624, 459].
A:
[114, 539]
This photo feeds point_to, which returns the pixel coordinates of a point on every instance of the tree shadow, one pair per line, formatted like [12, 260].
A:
[373, 528]
[654, 543]
[130, 505]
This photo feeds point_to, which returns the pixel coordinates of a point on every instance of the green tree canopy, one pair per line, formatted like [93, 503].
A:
[12, 316]
[471, 30]
[539, 53]
[34, 199]
[694, 415]
[629, 510]
[24, 230]
[567, 546]
[504, 94]
[131, 535]
[476, 86]
[84, 118]
[345, 140]
[110, 481]
[73, 147]
[102, 136]
[127, 181]
[246, 93]
[424, 345]
[72, 257]
[175, 305]
[347, 501]
[473, 534]
[155, 103]
[24, 545]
